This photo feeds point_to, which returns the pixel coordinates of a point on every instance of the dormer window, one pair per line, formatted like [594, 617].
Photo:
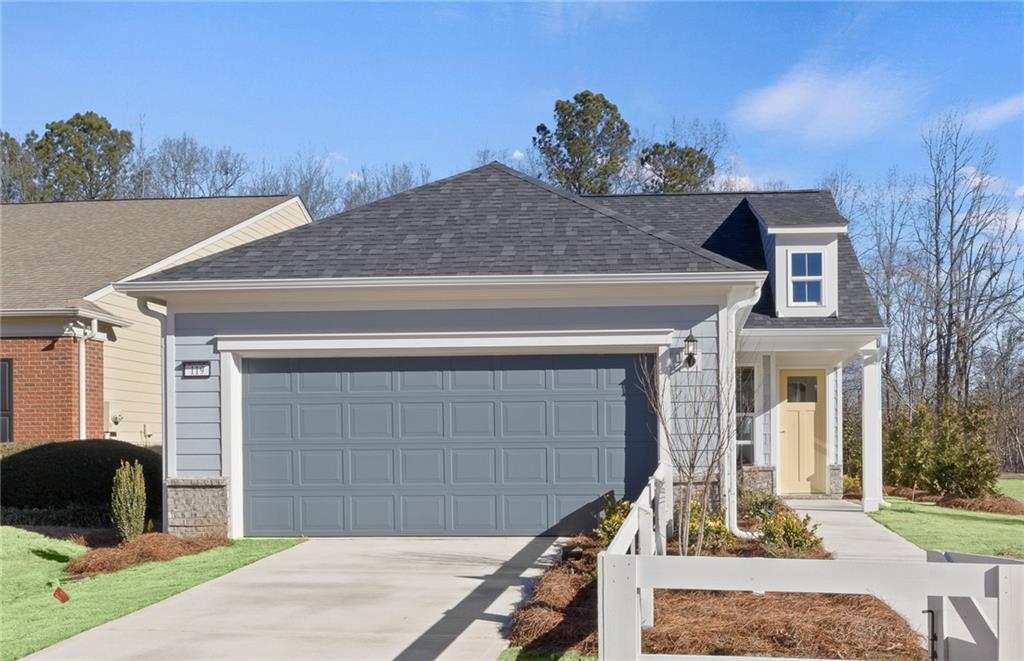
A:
[806, 278]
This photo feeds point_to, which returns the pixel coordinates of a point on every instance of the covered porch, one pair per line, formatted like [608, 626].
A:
[789, 409]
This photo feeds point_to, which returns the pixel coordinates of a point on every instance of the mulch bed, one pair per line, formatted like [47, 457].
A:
[993, 504]
[561, 616]
[150, 547]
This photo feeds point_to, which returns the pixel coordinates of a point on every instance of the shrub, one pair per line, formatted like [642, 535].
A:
[851, 484]
[53, 475]
[852, 444]
[611, 517]
[717, 536]
[759, 503]
[128, 500]
[962, 462]
[784, 532]
[906, 448]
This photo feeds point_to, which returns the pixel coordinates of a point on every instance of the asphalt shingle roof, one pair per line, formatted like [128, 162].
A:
[488, 221]
[53, 254]
[727, 223]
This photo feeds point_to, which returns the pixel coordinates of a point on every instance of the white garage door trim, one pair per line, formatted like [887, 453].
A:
[233, 348]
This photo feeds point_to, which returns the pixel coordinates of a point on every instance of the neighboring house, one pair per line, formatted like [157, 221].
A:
[77, 359]
[463, 358]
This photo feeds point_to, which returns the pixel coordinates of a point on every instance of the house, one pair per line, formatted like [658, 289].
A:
[77, 359]
[464, 358]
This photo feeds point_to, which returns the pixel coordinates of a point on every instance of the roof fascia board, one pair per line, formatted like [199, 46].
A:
[808, 229]
[66, 312]
[812, 332]
[727, 278]
[167, 261]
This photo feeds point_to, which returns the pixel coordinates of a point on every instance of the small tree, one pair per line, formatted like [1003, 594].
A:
[962, 463]
[697, 444]
[128, 500]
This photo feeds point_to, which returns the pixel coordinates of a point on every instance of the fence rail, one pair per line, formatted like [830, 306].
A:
[976, 603]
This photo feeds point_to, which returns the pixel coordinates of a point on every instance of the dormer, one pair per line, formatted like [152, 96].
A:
[803, 260]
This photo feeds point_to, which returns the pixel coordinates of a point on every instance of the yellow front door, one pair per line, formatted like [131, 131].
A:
[802, 466]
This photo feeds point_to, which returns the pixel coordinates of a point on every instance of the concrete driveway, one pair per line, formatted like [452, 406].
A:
[363, 598]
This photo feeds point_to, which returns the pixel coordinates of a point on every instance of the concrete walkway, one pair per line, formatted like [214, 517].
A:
[851, 535]
[366, 598]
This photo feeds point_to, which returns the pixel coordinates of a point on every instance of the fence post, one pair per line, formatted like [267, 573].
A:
[1011, 612]
[646, 548]
[618, 619]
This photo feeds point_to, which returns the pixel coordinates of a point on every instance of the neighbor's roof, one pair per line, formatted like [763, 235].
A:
[491, 220]
[727, 223]
[54, 254]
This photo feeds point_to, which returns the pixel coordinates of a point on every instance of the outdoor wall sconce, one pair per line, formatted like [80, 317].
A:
[690, 350]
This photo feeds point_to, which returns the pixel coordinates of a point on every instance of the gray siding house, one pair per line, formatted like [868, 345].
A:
[468, 358]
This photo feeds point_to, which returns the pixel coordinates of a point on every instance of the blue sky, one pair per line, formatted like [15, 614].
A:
[802, 87]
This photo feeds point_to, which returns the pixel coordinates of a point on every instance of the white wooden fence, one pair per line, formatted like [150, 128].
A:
[974, 605]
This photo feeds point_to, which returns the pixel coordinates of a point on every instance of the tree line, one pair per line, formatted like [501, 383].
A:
[940, 245]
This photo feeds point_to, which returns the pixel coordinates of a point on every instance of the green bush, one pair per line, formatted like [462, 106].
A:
[128, 501]
[785, 532]
[79, 472]
[851, 484]
[907, 447]
[716, 533]
[759, 503]
[611, 517]
[72, 514]
[853, 445]
[962, 463]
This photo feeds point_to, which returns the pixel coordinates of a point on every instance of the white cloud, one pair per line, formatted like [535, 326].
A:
[353, 176]
[518, 155]
[826, 107]
[1019, 192]
[997, 114]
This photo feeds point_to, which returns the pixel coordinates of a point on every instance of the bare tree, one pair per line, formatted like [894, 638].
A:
[371, 184]
[687, 403]
[308, 175]
[182, 167]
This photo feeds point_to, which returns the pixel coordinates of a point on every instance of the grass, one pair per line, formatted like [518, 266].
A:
[943, 529]
[522, 654]
[31, 565]
[1014, 488]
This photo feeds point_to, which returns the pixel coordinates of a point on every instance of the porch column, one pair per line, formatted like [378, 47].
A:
[871, 430]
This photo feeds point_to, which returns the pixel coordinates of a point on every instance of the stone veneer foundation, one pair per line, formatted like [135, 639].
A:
[197, 506]
[835, 480]
[757, 478]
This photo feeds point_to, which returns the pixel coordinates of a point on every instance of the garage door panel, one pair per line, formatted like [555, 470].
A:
[440, 446]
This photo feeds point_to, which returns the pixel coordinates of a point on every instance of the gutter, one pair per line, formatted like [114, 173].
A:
[66, 312]
[712, 278]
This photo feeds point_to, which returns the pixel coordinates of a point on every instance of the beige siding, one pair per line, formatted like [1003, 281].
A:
[131, 359]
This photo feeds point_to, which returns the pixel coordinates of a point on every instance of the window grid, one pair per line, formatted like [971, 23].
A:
[806, 276]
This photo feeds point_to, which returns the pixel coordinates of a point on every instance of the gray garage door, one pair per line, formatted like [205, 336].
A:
[512, 445]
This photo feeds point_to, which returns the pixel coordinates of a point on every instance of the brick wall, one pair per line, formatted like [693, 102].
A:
[45, 379]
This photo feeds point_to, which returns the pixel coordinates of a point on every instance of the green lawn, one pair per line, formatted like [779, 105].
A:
[520, 654]
[1014, 488]
[945, 529]
[34, 619]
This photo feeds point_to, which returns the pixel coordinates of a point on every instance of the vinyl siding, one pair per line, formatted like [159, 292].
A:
[197, 405]
[131, 359]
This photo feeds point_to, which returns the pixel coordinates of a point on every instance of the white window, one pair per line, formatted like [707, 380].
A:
[745, 403]
[806, 278]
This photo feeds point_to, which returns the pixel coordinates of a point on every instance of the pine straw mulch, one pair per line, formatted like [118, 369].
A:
[995, 504]
[561, 616]
[150, 547]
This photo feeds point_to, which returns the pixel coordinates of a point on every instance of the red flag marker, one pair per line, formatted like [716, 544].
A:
[61, 596]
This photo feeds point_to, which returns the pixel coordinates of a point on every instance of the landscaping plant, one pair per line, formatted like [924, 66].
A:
[611, 517]
[128, 500]
[759, 503]
[962, 462]
[784, 532]
[708, 530]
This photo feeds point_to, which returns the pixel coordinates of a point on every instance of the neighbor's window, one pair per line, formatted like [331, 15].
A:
[745, 415]
[806, 278]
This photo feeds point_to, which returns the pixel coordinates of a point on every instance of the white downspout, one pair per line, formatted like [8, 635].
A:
[733, 321]
[82, 417]
[143, 305]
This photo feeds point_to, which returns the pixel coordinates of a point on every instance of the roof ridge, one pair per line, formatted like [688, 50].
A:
[155, 199]
[710, 192]
[649, 230]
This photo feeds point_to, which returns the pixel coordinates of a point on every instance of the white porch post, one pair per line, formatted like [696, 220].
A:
[871, 430]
